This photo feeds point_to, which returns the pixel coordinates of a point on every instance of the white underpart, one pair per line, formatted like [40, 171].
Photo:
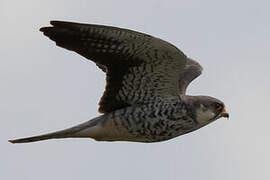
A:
[104, 132]
[204, 115]
[98, 132]
[90, 132]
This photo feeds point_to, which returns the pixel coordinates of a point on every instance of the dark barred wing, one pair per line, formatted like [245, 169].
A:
[138, 67]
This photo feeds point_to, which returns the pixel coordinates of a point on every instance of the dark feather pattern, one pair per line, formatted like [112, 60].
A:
[138, 66]
[147, 78]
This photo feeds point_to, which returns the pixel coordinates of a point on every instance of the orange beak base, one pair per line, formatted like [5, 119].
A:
[224, 113]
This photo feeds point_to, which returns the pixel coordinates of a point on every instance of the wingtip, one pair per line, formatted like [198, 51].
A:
[42, 29]
[52, 22]
[60, 23]
[197, 65]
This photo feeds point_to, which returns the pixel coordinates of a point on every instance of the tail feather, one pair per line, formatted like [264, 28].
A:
[54, 135]
[66, 133]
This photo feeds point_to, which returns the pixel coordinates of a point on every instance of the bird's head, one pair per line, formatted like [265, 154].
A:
[206, 109]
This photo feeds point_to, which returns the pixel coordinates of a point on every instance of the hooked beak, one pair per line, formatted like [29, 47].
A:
[224, 113]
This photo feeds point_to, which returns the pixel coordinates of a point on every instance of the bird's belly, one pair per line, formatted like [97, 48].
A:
[141, 124]
[142, 133]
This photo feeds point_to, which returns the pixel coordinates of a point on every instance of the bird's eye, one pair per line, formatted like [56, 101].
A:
[218, 106]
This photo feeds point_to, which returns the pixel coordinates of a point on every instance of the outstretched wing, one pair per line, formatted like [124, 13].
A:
[138, 66]
[192, 70]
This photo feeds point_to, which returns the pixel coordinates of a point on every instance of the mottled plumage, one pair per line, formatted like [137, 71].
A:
[144, 98]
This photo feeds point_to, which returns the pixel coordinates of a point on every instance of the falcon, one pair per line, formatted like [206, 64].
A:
[146, 80]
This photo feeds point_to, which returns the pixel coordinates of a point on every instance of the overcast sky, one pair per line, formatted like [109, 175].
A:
[46, 88]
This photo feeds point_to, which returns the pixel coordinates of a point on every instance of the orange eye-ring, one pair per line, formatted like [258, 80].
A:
[218, 106]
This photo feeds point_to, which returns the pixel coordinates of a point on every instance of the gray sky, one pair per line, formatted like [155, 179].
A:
[46, 88]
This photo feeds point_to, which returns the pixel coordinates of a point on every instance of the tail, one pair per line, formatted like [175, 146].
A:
[72, 132]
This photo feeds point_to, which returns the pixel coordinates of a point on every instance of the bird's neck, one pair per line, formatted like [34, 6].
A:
[190, 103]
[187, 99]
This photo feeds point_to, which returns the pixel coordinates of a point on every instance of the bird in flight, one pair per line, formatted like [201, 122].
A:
[146, 79]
